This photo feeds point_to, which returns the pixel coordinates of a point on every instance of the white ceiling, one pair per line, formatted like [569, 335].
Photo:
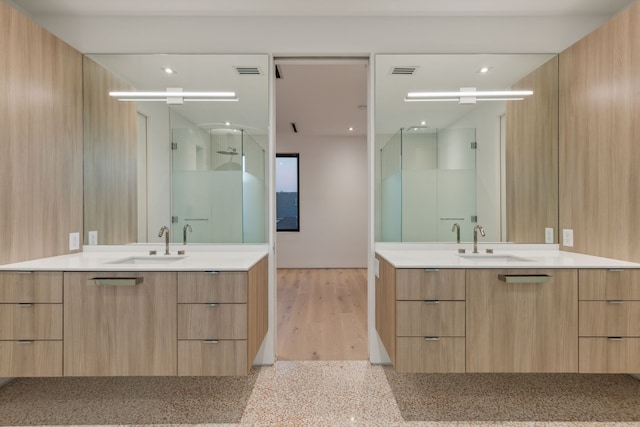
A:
[323, 8]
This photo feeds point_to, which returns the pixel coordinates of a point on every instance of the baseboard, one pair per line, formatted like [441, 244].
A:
[4, 381]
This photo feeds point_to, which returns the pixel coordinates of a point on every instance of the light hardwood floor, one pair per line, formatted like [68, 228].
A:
[322, 314]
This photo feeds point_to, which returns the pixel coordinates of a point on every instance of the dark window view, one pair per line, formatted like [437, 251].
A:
[287, 207]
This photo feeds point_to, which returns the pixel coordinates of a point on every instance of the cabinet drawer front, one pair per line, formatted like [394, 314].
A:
[420, 355]
[212, 358]
[608, 319]
[424, 284]
[200, 287]
[30, 321]
[30, 287]
[609, 284]
[607, 356]
[31, 359]
[428, 318]
[206, 321]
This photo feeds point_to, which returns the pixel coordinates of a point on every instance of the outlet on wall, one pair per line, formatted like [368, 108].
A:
[74, 241]
[567, 237]
[548, 235]
[93, 237]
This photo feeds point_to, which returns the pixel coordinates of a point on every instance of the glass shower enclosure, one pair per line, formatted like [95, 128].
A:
[218, 186]
[428, 183]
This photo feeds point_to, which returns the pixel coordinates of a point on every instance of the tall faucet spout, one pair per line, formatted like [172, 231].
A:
[184, 233]
[165, 230]
[475, 237]
[456, 228]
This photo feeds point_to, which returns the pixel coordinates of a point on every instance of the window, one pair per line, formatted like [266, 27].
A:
[287, 196]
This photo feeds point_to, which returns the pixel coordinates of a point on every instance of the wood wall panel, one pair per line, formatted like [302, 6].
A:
[599, 137]
[532, 157]
[110, 152]
[41, 134]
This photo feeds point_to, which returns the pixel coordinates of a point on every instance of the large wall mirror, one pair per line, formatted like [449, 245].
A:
[191, 157]
[447, 158]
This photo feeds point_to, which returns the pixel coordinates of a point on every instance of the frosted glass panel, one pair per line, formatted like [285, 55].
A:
[428, 183]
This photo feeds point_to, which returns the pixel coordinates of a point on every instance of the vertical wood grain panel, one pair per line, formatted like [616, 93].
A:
[257, 308]
[599, 135]
[41, 122]
[386, 307]
[110, 165]
[532, 157]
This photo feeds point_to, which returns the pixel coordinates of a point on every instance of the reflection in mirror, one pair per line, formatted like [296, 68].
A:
[177, 150]
[430, 175]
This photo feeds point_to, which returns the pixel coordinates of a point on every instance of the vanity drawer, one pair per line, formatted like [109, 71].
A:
[30, 358]
[30, 321]
[212, 287]
[223, 357]
[30, 287]
[609, 356]
[609, 318]
[430, 318]
[430, 284]
[212, 321]
[612, 284]
[430, 355]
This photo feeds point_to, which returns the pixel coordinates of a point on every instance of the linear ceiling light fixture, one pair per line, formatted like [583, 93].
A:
[174, 96]
[469, 95]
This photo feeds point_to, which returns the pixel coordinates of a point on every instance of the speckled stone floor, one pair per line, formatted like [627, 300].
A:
[318, 393]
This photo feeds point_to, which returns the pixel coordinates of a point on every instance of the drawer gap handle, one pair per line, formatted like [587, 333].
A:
[25, 304]
[524, 278]
[211, 304]
[432, 269]
[615, 338]
[432, 301]
[616, 270]
[211, 341]
[615, 301]
[25, 342]
[432, 338]
[212, 272]
[115, 281]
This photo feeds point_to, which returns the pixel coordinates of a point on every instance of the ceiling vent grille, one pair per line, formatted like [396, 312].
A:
[403, 71]
[247, 71]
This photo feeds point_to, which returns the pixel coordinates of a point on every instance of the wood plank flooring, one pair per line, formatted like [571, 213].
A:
[322, 314]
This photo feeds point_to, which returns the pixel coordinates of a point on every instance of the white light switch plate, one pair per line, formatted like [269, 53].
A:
[548, 235]
[567, 237]
[74, 241]
[93, 237]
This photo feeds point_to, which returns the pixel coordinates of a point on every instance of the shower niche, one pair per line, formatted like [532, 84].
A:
[218, 185]
[428, 183]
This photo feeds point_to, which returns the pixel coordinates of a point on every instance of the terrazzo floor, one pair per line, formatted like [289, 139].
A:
[319, 393]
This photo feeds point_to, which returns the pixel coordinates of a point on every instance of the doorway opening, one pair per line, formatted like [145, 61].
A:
[321, 119]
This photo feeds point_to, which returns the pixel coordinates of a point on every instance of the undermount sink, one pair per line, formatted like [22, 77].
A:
[493, 258]
[150, 259]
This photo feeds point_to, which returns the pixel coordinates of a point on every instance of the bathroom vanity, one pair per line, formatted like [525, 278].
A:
[516, 310]
[120, 313]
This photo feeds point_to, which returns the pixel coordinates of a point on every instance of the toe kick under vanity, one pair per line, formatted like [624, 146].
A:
[522, 308]
[124, 313]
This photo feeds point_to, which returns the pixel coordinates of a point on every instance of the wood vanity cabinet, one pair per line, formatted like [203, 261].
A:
[30, 324]
[522, 320]
[609, 321]
[420, 317]
[222, 320]
[120, 323]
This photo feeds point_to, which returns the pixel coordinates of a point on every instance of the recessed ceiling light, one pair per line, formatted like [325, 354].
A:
[351, 129]
[423, 123]
[169, 70]
[484, 70]
[227, 123]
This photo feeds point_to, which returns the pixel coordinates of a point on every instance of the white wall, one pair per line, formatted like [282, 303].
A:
[333, 203]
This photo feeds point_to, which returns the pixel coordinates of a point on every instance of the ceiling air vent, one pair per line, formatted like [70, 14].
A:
[247, 71]
[403, 71]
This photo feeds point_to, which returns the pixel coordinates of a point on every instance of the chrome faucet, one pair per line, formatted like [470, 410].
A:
[456, 227]
[475, 237]
[184, 233]
[165, 230]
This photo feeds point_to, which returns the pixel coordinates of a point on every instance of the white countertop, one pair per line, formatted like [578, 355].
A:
[196, 258]
[445, 255]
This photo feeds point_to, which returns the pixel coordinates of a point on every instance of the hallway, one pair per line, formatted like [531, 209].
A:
[322, 314]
